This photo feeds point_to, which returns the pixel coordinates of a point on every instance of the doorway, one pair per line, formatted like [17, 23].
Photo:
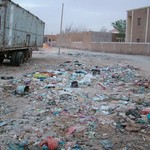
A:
[28, 36]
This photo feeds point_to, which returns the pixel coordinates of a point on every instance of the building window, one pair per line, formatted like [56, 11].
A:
[139, 21]
[138, 40]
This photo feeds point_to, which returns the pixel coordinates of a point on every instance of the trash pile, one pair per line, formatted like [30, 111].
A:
[77, 107]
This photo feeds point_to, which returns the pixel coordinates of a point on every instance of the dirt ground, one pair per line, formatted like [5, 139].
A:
[87, 117]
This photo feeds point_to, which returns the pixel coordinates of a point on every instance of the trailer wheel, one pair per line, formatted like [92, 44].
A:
[27, 55]
[1, 60]
[2, 57]
[13, 59]
[19, 58]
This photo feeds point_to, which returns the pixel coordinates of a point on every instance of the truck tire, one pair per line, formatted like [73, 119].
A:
[27, 55]
[1, 59]
[13, 59]
[19, 58]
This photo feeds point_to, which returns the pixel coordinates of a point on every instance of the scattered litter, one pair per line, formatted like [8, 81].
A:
[106, 144]
[22, 89]
[78, 105]
[7, 77]
[50, 142]
[3, 123]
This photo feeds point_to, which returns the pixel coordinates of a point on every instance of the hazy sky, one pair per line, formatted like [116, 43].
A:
[88, 14]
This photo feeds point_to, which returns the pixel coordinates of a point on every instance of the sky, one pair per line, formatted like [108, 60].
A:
[92, 15]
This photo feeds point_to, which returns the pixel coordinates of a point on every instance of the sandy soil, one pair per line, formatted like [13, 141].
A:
[50, 57]
[18, 107]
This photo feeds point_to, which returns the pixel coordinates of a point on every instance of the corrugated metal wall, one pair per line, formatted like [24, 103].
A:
[22, 28]
[1, 23]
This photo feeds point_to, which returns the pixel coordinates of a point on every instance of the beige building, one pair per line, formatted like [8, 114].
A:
[138, 25]
[86, 37]
[50, 38]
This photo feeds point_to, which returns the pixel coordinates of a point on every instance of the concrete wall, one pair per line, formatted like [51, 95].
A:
[84, 41]
[81, 39]
[91, 41]
[122, 48]
[86, 37]
[113, 47]
[101, 37]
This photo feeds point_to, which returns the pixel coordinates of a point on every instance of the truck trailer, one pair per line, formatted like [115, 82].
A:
[20, 33]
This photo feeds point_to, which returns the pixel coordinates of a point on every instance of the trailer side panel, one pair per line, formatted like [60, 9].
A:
[22, 29]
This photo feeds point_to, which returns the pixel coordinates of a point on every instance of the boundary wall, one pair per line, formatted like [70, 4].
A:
[110, 47]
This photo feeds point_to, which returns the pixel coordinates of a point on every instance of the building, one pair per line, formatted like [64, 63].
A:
[90, 36]
[50, 40]
[138, 25]
[116, 36]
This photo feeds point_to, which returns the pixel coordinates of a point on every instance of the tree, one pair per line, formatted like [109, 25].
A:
[120, 25]
[68, 28]
[76, 29]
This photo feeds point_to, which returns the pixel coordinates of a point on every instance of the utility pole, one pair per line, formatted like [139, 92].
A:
[60, 34]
